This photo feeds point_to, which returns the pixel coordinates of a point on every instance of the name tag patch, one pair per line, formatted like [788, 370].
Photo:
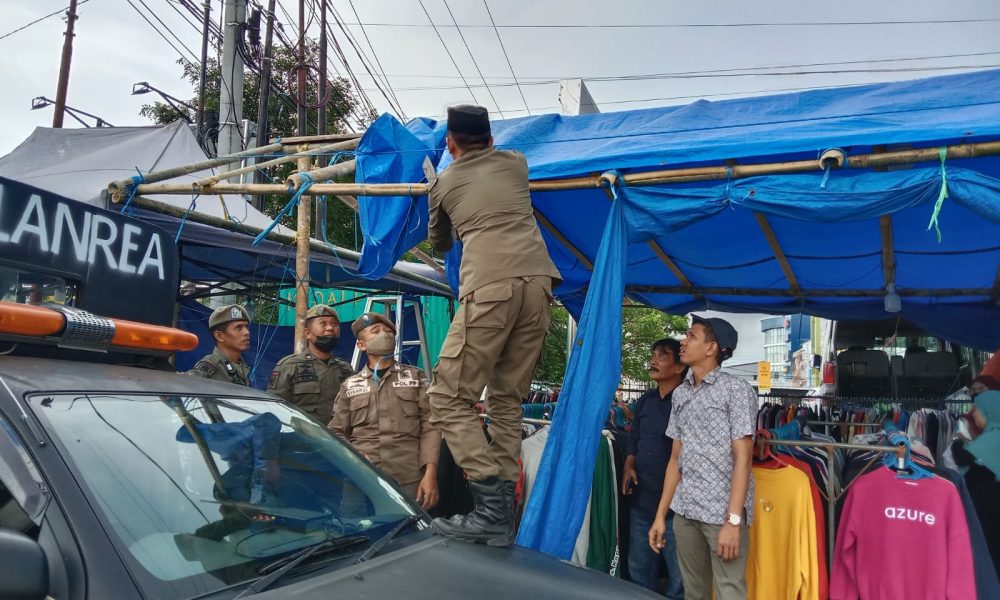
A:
[358, 389]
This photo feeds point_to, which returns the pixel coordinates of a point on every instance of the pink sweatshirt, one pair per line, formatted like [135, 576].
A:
[900, 538]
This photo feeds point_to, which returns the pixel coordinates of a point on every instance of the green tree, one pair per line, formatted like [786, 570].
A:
[640, 328]
[341, 225]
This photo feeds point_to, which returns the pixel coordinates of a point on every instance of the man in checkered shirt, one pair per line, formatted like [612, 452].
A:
[708, 481]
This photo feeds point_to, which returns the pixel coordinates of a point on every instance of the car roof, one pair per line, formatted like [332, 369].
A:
[24, 374]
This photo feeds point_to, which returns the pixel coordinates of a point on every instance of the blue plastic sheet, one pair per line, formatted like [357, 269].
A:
[827, 224]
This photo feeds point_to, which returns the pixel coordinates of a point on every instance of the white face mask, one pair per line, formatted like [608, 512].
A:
[381, 344]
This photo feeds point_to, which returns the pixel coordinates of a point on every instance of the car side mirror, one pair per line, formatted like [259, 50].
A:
[24, 570]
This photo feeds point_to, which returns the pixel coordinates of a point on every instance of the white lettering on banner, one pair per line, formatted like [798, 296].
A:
[86, 236]
[80, 239]
[34, 208]
[901, 513]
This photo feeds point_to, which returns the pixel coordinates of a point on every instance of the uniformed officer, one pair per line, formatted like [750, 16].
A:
[383, 412]
[496, 337]
[311, 379]
[230, 327]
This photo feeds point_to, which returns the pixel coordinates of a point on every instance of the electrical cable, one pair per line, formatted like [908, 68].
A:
[160, 33]
[184, 16]
[704, 25]
[502, 48]
[474, 63]
[377, 61]
[40, 19]
[467, 86]
[169, 30]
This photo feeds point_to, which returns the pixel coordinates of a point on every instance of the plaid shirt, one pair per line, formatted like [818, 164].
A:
[707, 418]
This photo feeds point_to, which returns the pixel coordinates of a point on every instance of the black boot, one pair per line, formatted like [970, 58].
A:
[491, 522]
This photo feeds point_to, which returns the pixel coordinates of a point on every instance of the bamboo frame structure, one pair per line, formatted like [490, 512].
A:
[779, 254]
[817, 293]
[352, 203]
[302, 237]
[888, 252]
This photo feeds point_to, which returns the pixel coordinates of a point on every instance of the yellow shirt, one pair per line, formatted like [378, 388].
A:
[783, 561]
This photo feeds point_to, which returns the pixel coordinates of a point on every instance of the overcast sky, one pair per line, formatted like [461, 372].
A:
[698, 49]
[115, 47]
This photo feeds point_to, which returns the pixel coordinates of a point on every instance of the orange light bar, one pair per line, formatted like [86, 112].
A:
[129, 334]
[34, 321]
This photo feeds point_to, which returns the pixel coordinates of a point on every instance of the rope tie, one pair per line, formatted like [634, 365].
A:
[136, 180]
[184, 218]
[307, 182]
[943, 153]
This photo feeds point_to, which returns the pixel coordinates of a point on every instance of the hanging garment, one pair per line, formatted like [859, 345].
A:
[603, 553]
[902, 538]
[783, 560]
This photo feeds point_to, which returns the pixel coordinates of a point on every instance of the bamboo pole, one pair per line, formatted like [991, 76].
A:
[116, 188]
[779, 254]
[315, 246]
[339, 146]
[302, 236]
[666, 176]
[295, 180]
[310, 140]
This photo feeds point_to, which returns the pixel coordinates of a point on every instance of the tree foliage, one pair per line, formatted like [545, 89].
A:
[640, 328]
[341, 221]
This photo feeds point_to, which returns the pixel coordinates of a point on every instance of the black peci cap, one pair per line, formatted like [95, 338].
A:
[469, 119]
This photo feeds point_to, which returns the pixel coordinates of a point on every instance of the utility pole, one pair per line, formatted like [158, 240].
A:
[263, 127]
[231, 89]
[204, 69]
[301, 69]
[67, 57]
[321, 117]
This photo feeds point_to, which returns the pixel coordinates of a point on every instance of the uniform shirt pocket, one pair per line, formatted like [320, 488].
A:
[408, 416]
[359, 408]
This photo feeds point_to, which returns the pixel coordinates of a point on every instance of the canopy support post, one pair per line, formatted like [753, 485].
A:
[779, 254]
[888, 255]
[302, 235]
[996, 287]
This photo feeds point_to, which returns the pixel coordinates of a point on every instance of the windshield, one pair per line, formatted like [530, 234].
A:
[200, 492]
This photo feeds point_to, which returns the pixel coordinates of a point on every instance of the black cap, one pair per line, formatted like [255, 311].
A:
[725, 335]
[469, 119]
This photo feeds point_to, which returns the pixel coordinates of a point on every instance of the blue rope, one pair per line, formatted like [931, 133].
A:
[307, 182]
[136, 180]
[184, 219]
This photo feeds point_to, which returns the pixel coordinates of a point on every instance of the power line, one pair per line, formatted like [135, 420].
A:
[474, 63]
[467, 86]
[375, 55]
[509, 66]
[708, 75]
[40, 19]
[696, 25]
[363, 57]
[170, 31]
[185, 17]
[160, 33]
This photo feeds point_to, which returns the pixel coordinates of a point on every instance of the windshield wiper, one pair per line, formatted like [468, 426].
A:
[287, 563]
[383, 541]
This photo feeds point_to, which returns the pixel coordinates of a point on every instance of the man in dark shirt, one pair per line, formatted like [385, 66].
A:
[645, 464]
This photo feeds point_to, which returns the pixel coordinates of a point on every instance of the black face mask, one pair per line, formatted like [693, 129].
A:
[326, 343]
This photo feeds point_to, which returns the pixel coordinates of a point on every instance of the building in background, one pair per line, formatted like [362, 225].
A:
[790, 344]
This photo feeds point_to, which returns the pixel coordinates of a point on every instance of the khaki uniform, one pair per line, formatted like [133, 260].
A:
[389, 421]
[217, 366]
[309, 383]
[506, 284]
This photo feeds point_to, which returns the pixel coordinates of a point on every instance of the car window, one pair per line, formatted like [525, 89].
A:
[199, 492]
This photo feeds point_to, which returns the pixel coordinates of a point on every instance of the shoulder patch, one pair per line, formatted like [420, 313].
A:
[273, 380]
[206, 367]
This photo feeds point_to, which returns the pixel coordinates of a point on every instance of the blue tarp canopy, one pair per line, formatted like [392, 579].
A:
[714, 244]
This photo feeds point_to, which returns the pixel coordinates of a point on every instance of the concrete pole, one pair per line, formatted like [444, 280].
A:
[67, 57]
[231, 88]
[207, 19]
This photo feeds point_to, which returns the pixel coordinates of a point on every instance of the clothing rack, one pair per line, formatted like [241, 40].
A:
[485, 416]
[832, 497]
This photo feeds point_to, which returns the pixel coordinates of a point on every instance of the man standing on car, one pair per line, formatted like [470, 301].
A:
[384, 413]
[708, 482]
[647, 455]
[496, 337]
[312, 379]
[230, 328]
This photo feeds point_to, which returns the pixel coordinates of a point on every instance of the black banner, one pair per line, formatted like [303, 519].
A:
[124, 267]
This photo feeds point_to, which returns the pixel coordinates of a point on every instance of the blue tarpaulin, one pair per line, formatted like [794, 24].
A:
[828, 225]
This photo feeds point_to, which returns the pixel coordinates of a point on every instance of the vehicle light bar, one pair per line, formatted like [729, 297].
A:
[75, 328]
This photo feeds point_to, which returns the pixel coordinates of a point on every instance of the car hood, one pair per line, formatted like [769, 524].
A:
[439, 569]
